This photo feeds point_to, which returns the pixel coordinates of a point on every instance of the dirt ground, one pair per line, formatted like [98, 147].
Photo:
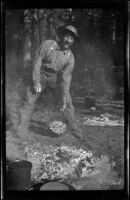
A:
[107, 141]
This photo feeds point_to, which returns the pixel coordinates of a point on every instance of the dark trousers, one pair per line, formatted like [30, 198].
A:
[29, 104]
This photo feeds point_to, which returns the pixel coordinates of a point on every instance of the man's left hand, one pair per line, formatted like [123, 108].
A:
[64, 104]
[63, 107]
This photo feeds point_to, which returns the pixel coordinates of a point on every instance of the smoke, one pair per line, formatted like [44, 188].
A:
[17, 133]
[92, 54]
[94, 61]
[96, 52]
[16, 129]
[99, 64]
[14, 147]
[14, 102]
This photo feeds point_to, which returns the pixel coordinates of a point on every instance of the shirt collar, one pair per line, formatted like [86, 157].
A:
[66, 52]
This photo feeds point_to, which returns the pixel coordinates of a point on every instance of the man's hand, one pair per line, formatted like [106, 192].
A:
[37, 87]
[63, 105]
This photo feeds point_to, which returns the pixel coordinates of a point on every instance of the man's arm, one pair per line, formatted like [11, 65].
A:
[40, 53]
[66, 80]
[37, 64]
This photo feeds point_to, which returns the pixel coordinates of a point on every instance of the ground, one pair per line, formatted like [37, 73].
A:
[105, 141]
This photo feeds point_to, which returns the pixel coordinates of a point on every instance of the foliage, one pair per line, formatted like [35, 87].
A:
[100, 44]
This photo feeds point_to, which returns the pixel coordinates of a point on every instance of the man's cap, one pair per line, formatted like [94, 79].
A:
[68, 29]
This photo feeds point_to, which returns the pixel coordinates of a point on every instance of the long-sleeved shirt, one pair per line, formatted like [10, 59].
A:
[50, 55]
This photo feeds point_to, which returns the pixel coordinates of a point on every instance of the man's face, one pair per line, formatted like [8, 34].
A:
[67, 41]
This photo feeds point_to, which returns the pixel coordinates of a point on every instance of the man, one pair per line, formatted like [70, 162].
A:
[51, 58]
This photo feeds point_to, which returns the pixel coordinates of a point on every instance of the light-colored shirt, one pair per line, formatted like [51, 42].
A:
[50, 55]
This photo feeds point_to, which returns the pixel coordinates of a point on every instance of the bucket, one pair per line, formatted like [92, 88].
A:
[19, 175]
[90, 102]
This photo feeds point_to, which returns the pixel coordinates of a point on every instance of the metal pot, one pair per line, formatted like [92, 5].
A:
[19, 175]
[90, 102]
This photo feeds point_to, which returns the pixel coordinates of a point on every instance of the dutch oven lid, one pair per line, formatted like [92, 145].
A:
[54, 186]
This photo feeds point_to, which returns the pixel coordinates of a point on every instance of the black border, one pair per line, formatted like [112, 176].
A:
[105, 4]
[102, 194]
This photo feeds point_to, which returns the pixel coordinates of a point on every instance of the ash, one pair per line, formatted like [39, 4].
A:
[61, 162]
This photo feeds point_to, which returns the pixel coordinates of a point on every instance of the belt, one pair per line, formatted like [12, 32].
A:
[48, 70]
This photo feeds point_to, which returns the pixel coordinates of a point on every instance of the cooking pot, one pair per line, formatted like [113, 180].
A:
[19, 175]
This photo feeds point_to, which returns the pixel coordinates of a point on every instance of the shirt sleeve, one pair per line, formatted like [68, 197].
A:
[38, 62]
[67, 76]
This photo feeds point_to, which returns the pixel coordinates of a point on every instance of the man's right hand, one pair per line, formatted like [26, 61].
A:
[37, 87]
